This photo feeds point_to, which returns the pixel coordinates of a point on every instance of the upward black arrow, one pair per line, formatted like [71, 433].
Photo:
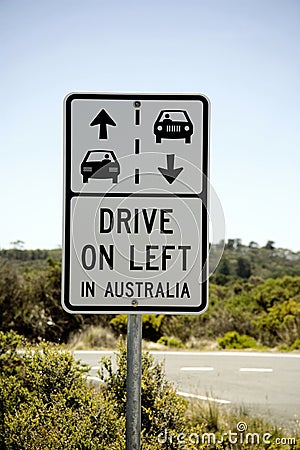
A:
[103, 119]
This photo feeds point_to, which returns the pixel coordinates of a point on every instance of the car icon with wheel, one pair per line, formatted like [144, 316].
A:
[100, 164]
[173, 124]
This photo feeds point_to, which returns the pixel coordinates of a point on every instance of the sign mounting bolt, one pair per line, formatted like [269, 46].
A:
[135, 303]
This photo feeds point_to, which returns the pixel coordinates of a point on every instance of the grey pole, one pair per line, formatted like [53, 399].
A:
[133, 382]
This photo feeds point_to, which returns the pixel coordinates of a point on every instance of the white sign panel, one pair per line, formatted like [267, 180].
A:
[135, 217]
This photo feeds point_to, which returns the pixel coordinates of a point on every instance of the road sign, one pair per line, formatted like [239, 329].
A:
[135, 203]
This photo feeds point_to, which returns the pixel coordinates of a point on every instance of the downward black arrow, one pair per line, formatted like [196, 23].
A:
[103, 119]
[170, 173]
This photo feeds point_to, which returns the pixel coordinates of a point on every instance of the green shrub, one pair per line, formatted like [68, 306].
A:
[234, 340]
[276, 290]
[296, 345]
[281, 324]
[170, 342]
[10, 359]
[152, 324]
[46, 403]
[162, 408]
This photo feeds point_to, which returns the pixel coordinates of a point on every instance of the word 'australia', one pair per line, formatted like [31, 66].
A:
[146, 289]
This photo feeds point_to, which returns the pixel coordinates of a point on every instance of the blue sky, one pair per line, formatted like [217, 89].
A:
[244, 55]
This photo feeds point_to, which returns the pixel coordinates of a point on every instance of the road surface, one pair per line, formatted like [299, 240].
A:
[265, 383]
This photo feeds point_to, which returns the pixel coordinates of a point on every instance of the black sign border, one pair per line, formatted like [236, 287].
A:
[69, 194]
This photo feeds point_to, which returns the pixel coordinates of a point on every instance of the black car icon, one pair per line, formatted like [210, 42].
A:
[100, 164]
[173, 124]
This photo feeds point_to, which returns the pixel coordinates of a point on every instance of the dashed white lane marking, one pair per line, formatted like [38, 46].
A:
[197, 369]
[202, 397]
[255, 369]
[93, 352]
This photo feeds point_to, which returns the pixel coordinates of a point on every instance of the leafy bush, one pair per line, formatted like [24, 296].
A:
[281, 323]
[161, 406]
[276, 290]
[30, 302]
[152, 324]
[170, 341]
[235, 340]
[295, 345]
[46, 403]
[10, 285]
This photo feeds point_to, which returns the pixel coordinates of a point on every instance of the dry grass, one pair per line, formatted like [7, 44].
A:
[93, 338]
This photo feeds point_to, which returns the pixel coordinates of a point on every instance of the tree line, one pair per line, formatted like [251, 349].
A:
[254, 292]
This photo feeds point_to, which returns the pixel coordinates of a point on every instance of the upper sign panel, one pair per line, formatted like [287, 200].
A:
[118, 144]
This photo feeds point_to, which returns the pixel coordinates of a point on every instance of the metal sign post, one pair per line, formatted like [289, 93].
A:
[133, 382]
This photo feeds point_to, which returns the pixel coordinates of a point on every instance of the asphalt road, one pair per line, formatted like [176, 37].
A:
[266, 384]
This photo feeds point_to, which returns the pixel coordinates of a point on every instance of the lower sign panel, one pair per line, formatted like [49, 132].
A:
[135, 255]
